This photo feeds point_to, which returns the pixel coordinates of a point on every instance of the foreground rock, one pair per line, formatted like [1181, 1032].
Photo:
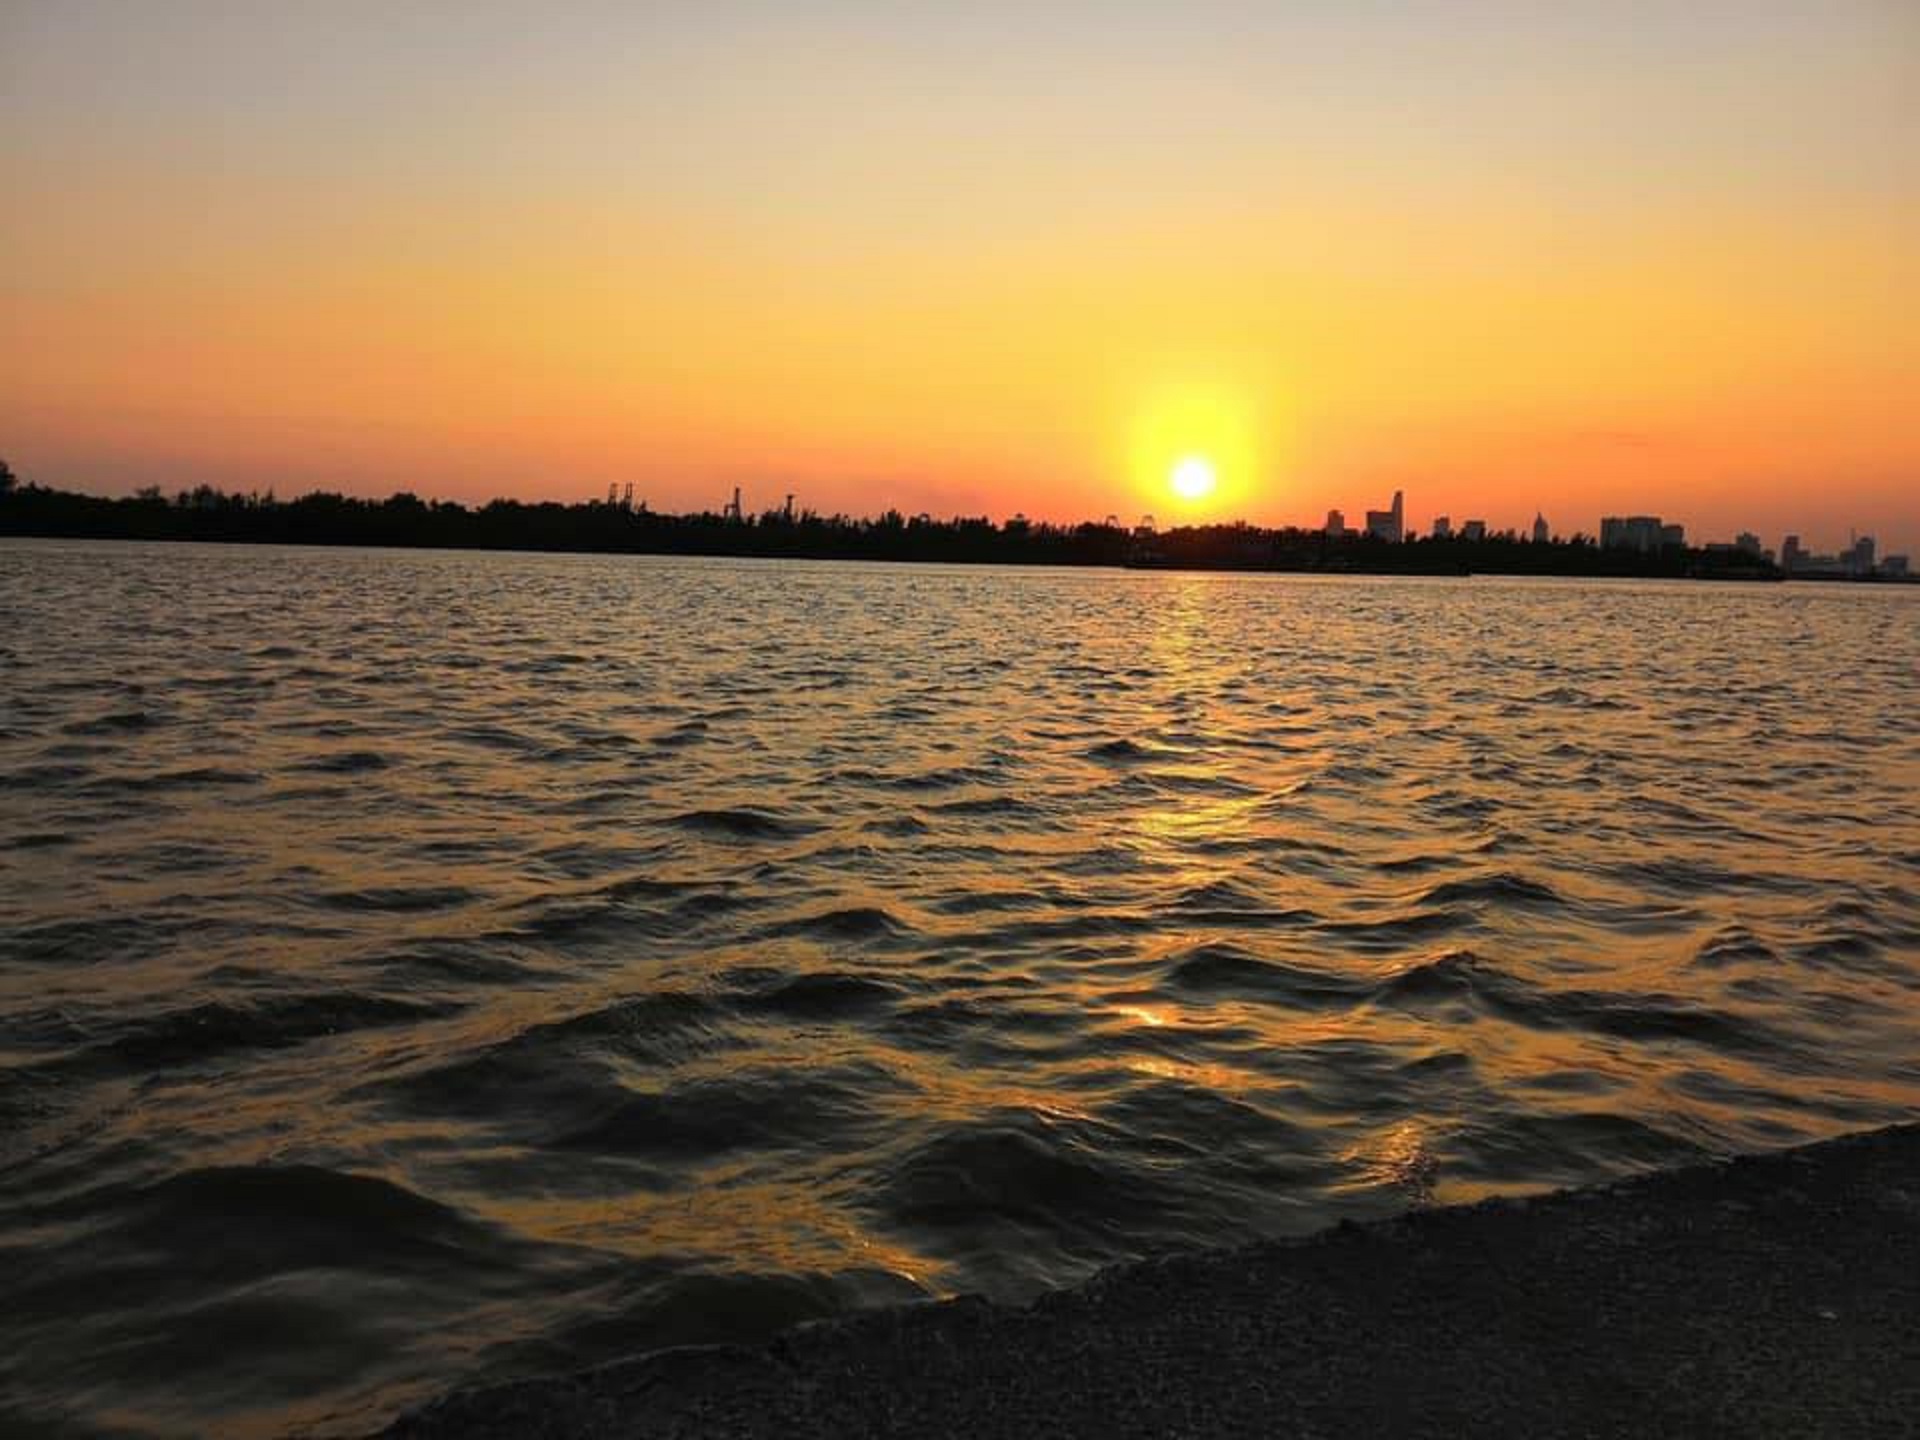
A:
[1777, 1295]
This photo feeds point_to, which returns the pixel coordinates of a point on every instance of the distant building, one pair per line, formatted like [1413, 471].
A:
[1859, 560]
[1541, 534]
[1806, 564]
[1442, 528]
[1791, 555]
[1747, 543]
[1636, 532]
[1894, 565]
[1388, 525]
[1644, 533]
[1336, 524]
[1473, 530]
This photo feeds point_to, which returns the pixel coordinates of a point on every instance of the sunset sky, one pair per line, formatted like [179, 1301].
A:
[977, 258]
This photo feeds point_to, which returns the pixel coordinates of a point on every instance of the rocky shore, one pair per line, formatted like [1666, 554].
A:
[1769, 1295]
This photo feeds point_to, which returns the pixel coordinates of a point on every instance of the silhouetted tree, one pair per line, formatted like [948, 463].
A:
[326, 518]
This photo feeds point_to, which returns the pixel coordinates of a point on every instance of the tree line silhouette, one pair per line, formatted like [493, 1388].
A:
[325, 518]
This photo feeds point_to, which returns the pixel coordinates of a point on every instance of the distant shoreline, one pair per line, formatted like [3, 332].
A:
[1195, 567]
[1776, 1294]
[608, 528]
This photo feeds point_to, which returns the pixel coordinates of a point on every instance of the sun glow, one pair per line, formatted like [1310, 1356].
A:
[1201, 445]
[1193, 477]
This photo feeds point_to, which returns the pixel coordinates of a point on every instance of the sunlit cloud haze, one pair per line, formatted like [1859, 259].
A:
[984, 258]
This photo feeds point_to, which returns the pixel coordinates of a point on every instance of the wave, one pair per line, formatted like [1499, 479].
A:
[197, 777]
[1392, 933]
[1229, 902]
[628, 911]
[1691, 877]
[1503, 888]
[1562, 1149]
[1191, 782]
[766, 1111]
[398, 899]
[348, 762]
[1735, 946]
[215, 1028]
[688, 732]
[655, 1311]
[43, 777]
[493, 737]
[947, 778]
[123, 938]
[1126, 751]
[119, 722]
[1225, 969]
[653, 1026]
[986, 805]
[897, 827]
[981, 1184]
[986, 1026]
[822, 995]
[741, 824]
[1440, 977]
[38, 840]
[853, 922]
[245, 1220]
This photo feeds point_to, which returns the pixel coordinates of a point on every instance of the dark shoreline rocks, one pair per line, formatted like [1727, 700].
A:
[1769, 1295]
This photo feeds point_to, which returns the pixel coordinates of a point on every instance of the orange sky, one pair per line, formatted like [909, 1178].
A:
[1018, 259]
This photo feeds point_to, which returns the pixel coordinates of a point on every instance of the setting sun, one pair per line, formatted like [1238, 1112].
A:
[1204, 441]
[1193, 478]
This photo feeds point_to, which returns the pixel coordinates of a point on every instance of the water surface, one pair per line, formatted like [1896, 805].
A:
[419, 967]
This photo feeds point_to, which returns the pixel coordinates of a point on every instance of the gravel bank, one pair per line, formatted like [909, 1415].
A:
[1772, 1295]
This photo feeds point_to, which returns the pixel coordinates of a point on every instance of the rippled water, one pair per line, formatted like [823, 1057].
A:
[418, 967]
